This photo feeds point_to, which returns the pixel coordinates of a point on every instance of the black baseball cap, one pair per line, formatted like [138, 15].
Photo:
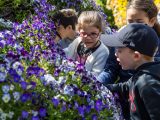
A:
[136, 36]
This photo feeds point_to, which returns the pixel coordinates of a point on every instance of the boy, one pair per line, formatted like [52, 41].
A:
[65, 21]
[136, 46]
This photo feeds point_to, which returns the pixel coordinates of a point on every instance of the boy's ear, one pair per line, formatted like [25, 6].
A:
[137, 55]
[153, 21]
[69, 27]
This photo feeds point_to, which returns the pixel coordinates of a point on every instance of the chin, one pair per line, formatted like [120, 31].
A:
[125, 68]
[88, 46]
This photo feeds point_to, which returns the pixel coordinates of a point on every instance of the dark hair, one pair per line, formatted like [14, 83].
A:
[65, 17]
[149, 7]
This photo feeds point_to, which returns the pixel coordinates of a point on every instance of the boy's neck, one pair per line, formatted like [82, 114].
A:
[138, 64]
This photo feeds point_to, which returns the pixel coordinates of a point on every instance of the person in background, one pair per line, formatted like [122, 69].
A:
[158, 17]
[87, 48]
[65, 21]
[138, 11]
[138, 43]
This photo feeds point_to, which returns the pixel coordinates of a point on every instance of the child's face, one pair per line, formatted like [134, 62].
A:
[64, 32]
[125, 57]
[90, 36]
[138, 16]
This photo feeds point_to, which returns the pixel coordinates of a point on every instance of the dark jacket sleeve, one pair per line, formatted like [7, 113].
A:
[150, 94]
[121, 88]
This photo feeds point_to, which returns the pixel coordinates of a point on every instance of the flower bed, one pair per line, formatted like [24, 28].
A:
[38, 82]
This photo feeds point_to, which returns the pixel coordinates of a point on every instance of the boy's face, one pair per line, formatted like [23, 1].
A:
[125, 57]
[139, 16]
[90, 36]
[64, 32]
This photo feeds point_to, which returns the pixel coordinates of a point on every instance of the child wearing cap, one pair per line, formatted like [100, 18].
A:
[137, 11]
[136, 45]
[87, 48]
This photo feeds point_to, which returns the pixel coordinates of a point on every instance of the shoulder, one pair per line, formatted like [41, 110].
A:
[101, 52]
[146, 81]
[102, 48]
[77, 40]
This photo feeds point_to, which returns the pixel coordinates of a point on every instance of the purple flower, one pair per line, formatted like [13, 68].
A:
[81, 111]
[63, 109]
[35, 118]
[76, 105]
[98, 105]
[88, 108]
[33, 84]
[24, 85]
[94, 117]
[25, 97]
[24, 114]
[14, 74]
[2, 43]
[55, 102]
[42, 112]
[35, 71]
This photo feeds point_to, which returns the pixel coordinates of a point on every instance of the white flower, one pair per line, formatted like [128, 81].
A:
[61, 80]
[16, 96]
[12, 87]
[29, 87]
[17, 46]
[8, 32]
[5, 88]
[10, 115]
[19, 71]
[68, 90]
[31, 41]
[49, 78]
[3, 116]
[6, 97]
[2, 76]
[35, 113]
[16, 65]
[92, 104]
[2, 68]
[71, 64]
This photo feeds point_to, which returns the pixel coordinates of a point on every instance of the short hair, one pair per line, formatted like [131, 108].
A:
[91, 18]
[65, 17]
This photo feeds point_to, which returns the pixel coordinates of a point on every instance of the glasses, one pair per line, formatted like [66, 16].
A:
[91, 35]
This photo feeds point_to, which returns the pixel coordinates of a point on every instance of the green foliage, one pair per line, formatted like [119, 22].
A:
[15, 10]
[108, 12]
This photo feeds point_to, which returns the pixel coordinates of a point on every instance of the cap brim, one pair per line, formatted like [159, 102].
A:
[111, 40]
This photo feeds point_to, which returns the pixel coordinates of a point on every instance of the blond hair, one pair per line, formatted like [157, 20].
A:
[91, 18]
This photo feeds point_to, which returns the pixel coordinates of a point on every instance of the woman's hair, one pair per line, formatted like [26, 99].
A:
[91, 18]
[149, 7]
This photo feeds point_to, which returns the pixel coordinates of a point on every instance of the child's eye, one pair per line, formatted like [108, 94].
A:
[130, 21]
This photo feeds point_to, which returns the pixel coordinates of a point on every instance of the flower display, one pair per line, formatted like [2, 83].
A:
[38, 82]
